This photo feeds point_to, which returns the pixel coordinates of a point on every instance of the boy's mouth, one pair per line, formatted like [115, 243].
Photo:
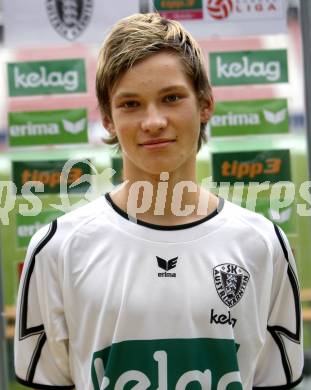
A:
[157, 143]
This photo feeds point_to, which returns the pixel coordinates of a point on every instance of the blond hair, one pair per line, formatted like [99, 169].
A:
[137, 37]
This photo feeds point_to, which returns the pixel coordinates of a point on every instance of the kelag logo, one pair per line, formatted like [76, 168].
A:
[46, 77]
[47, 127]
[248, 67]
[170, 364]
[257, 166]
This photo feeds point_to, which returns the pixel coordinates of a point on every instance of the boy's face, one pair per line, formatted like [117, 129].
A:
[156, 116]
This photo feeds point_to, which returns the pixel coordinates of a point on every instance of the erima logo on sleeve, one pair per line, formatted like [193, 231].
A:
[167, 265]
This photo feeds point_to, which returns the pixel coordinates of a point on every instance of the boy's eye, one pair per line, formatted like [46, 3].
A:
[172, 98]
[130, 104]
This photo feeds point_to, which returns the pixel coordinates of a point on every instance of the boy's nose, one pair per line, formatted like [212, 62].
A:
[154, 120]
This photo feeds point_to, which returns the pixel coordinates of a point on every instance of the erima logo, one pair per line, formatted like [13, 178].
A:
[248, 119]
[74, 127]
[275, 118]
[34, 129]
[167, 265]
[69, 17]
[29, 230]
[37, 129]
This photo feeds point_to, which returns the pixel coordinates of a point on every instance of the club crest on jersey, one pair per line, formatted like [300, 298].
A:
[230, 282]
[69, 17]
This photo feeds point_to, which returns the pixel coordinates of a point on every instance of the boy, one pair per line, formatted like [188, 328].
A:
[196, 293]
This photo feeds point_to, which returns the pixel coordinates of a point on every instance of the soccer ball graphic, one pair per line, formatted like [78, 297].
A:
[219, 9]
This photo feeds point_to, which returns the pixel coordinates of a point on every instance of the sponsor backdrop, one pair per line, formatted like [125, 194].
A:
[256, 166]
[248, 67]
[47, 127]
[226, 17]
[249, 117]
[53, 108]
[46, 77]
[51, 174]
[27, 225]
[61, 21]
[286, 217]
[88, 20]
[117, 165]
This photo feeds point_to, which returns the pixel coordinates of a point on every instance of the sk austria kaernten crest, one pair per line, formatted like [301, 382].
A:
[230, 282]
[69, 17]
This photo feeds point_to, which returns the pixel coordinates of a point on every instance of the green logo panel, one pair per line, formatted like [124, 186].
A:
[52, 174]
[26, 226]
[255, 166]
[117, 165]
[47, 127]
[46, 77]
[182, 9]
[248, 67]
[180, 364]
[285, 217]
[249, 117]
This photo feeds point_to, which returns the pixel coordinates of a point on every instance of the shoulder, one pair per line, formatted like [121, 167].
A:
[252, 225]
[53, 237]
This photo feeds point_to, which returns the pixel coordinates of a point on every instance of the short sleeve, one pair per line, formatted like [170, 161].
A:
[41, 356]
[281, 359]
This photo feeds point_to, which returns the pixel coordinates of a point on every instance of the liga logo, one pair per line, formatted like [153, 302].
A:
[69, 17]
[230, 282]
[220, 9]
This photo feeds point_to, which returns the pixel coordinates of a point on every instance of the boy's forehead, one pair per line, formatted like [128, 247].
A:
[163, 63]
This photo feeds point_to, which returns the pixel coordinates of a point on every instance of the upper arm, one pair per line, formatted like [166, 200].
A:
[281, 360]
[41, 335]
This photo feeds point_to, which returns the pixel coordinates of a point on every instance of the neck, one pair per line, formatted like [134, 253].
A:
[164, 199]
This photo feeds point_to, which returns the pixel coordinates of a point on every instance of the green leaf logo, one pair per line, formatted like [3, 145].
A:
[275, 118]
[74, 127]
[280, 216]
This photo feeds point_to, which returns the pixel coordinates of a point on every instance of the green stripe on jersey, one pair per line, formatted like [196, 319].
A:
[180, 364]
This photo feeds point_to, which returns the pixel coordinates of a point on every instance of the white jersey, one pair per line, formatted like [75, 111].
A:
[105, 303]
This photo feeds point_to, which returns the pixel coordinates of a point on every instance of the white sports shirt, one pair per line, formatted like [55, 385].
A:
[105, 303]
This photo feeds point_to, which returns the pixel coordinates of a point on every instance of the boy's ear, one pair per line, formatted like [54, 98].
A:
[108, 124]
[207, 108]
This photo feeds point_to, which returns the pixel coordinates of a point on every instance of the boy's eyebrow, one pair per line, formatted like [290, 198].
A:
[128, 94]
[173, 87]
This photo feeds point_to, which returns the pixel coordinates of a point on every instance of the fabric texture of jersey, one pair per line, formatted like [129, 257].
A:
[106, 303]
